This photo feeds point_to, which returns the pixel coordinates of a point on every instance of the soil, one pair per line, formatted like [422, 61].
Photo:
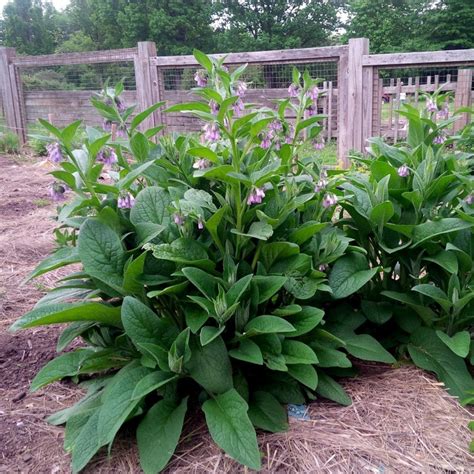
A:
[418, 436]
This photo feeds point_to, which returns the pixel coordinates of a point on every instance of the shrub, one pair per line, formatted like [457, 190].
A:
[9, 142]
[204, 273]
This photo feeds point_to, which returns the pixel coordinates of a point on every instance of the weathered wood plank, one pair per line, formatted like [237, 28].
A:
[344, 140]
[463, 97]
[398, 60]
[276, 56]
[367, 103]
[90, 57]
[397, 107]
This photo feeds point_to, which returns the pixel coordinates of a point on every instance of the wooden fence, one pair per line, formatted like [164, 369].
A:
[356, 99]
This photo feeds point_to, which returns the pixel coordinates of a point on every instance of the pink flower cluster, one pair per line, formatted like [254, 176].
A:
[211, 132]
[329, 200]
[201, 164]
[54, 152]
[322, 183]
[200, 78]
[403, 171]
[256, 196]
[107, 156]
[125, 201]
[57, 192]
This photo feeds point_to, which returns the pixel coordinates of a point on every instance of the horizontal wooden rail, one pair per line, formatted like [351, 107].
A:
[397, 60]
[329, 53]
[66, 59]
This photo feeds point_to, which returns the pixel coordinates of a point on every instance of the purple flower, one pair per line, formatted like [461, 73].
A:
[121, 106]
[431, 106]
[241, 88]
[318, 145]
[329, 200]
[321, 184]
[54, 151]
[311, 110]
[107, 156]
[214, 107]
[225, 68]
[57, 192]
[107, 125]
[211, 132]
[256, 196]
[275, 126]
[238, 107]
[178, 219]
[313, 94]
[276, 144]
[403, 171]
[200, 78]
[444, 111]
[121, 132]
[266, 140]
[439, 140]
[200, 224]
[293, 90]
[323, 267]
[126, 201]
[201, 164]
[469, 199]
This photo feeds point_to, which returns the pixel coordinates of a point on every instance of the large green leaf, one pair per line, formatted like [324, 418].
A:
[305, 320]
[430, 353]
[459, 343]
[248, 351]
[305, 374]
[102, 253]
[231, 428]
[158, 434]
[151, 206]
[365, 347]
[268, 325]
[431, 229]
[86, 444]
[144, 326]
[268, 286]
[118, 402]
[62, 257]
[267, 413]
[330, 389]
[297, 352]
[69, 312]
[349, 274]
[210, 366]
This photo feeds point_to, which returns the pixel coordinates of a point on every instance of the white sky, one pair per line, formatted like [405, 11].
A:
[59, 4]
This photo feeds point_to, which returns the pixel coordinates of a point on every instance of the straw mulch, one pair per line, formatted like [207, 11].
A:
[401, 419]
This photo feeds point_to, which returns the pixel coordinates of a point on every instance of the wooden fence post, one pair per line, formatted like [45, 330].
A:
[463, 97]
[11, 94]
[343, 138]
[355, 106]
[146, 77]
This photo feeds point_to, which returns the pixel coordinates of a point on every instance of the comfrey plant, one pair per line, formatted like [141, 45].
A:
[413, 213]
[204, 273]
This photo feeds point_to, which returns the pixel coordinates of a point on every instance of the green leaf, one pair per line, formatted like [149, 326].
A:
[139, 118]
[349, 274]
[365, 347]
[189, 107]
[210, 366]
[267, 413]
[430, 353]
[152, 382]
[381, 214]
[86, 444]
[102, 253]
[305, 320]
[446, 260]
[118, 402]
[330, 389]
[70, 333]
[204, 282]
[268, 286]
[306, 231]
[143, 325]
[377, 312]
[151, 206]
[459, 343]
[140, 146]
[132, 175]
[297, 352]
[158, 434]
[257, 230]
[238, 289]
[231, 428]
[65, 365]
[248, 351]
[268, 325]
[209, 333]
[132, 274]
[275, 251]
[435, 293]
[60, 258]
[305, 374]
[69, 312]
[184, 251]
[431, 229]
[203, 60]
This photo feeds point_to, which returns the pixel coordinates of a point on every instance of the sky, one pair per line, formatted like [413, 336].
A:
[59, 4]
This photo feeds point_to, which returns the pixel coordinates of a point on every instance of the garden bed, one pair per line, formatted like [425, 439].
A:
[400, 420]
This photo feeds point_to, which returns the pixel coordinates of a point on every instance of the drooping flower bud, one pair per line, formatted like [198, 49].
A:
[431, 106]
[211, 132]
[439, 140]
[293, 90]
[318, 145]
[313, 93]
[201, 164]
[329, 200]
[178, 219]
[214, 107]
[57, 191]
[266, 140]
[125, 201]
[323, 267]
[241, 88]
[200, 78]
[403, 171]
[469, 199]
[238, 107]
[200, 224]
[107, 156]
[54, 152]
[256, 196]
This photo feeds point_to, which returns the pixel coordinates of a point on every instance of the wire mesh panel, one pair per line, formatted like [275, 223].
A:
[394, 87]
[64, 91]
[266, 83]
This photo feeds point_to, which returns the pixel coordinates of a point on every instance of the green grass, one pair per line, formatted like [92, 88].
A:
[327, 156]
[41, 202]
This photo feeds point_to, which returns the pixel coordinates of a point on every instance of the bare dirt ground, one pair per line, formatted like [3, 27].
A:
[401, 420]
